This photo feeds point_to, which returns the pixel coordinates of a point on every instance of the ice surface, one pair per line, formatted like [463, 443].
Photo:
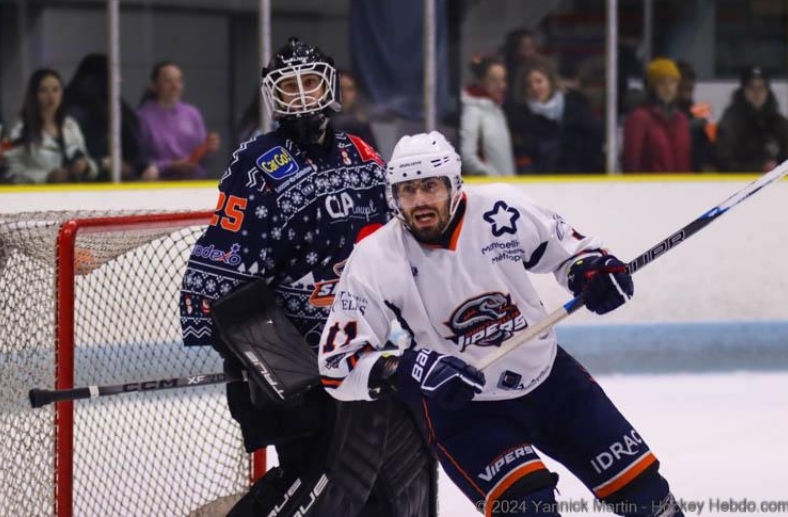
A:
[720, 437]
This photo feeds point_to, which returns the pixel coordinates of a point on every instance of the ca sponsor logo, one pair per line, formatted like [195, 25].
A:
[339, 206]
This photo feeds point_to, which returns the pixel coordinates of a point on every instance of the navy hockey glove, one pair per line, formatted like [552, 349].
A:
[448, 380]
[605, 281]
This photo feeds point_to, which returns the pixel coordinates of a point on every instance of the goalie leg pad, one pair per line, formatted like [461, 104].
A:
[263, 495]
[372, 463]
[408, 481]
[378, 464]
[278, 494]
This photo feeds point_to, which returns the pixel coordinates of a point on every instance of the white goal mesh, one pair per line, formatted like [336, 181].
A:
[90, 298]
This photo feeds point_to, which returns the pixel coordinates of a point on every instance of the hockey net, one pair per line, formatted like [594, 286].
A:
[91, 298]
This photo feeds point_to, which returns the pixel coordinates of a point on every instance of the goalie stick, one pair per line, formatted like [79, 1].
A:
[41, 397]
[638, 262]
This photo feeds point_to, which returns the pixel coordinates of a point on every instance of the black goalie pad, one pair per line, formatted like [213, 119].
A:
[250, 324]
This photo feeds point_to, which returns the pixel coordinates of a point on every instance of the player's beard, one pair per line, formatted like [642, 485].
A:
[428, 222]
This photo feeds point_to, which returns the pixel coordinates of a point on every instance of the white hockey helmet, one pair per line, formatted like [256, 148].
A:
[424, 155]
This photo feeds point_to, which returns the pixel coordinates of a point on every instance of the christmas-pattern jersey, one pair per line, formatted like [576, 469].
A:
[290, 214]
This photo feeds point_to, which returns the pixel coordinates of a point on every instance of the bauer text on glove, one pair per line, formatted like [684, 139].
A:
[445, 379]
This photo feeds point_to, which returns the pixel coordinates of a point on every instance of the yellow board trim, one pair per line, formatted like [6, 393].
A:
[471, 180]
[102, 187]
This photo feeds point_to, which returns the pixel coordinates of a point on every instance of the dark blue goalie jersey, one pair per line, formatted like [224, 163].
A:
[288, 214]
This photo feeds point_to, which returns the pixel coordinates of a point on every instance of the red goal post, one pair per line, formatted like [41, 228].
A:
[91, 298]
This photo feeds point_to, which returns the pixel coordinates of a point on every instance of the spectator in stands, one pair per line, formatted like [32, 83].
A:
[485, 144]
[520, 48]
[656, 133]
[174, 133]
[752, 135]
[629, 68]
[353, 118]
[87, 100]
[248, 125]
[47, 146]
[703, 131]
[553, 131]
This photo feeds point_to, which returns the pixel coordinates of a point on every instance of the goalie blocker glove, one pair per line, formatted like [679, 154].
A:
[445, 379]
[604, 280]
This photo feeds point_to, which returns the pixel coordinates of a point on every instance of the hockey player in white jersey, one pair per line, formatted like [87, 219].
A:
[452, 270]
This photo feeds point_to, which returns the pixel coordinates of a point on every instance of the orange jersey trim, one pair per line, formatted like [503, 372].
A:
[623, 478]
[510, 479]
[328, 382]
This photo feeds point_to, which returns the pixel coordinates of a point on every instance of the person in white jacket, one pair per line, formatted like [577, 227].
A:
[485, 142]
[46, 145]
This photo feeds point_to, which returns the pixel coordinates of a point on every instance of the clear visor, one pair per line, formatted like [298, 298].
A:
[299, 89]
[408, 194]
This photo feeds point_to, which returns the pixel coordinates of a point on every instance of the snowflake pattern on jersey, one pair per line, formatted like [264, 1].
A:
[303, 209]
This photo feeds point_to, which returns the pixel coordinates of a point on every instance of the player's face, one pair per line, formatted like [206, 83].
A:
[312, 86]
[425, 206]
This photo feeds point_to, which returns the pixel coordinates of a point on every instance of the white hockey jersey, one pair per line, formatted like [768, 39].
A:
[463, 300]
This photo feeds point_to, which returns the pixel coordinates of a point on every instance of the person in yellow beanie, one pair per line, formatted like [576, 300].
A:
[660, 69]
[657, 133]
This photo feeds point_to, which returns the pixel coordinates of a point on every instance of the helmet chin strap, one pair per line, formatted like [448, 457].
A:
[306, 129]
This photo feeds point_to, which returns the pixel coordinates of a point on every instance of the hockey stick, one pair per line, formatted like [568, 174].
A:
[41, 397]
[638, 263]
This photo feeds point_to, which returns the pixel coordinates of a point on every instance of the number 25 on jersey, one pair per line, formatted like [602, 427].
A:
[233, 208]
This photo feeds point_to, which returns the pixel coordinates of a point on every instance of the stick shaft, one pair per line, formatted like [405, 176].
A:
[638, 263]
[42, 397]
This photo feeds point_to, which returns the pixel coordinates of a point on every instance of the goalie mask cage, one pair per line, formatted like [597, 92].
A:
[91, 298]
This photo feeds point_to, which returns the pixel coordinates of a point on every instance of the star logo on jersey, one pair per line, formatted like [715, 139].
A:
[502, 217]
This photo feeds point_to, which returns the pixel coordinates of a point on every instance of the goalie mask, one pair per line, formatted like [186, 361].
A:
[300, 88]
[415, 164]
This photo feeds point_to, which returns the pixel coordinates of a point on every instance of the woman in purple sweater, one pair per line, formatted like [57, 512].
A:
[173, 132]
